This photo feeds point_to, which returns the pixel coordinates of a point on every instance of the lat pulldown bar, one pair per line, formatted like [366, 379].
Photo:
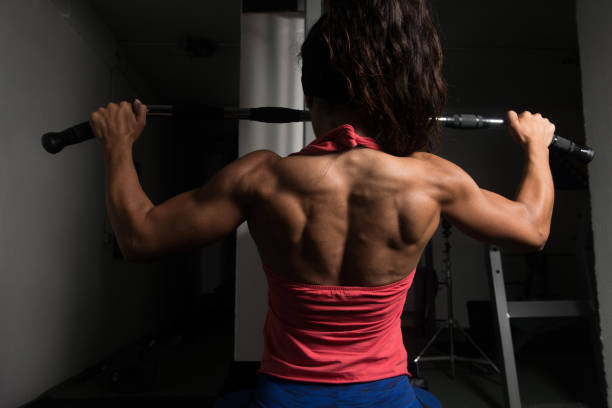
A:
[53, 142]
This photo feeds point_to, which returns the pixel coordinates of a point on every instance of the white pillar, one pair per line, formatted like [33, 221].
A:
[269, 76]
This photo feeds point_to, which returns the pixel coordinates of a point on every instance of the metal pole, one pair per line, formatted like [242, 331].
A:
[512, 397]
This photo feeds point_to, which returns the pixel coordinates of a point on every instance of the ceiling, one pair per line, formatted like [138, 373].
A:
[182, 48]
[154, 37]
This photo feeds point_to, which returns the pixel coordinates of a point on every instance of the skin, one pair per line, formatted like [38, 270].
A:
[359, 218]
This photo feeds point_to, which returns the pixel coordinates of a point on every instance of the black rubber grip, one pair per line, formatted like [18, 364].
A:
[276, 115]
[54, 142]
[582, 153]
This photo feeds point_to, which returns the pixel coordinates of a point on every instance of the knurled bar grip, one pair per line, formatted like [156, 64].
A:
[469, 121]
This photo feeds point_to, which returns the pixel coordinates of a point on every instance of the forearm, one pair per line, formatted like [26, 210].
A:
[126, 202]
[536, 190]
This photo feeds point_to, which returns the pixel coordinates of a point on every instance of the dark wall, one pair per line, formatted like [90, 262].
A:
[520, 55]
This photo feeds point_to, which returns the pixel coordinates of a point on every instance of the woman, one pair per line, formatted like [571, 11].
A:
[341, 225]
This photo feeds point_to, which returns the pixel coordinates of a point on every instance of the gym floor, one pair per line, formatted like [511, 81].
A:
[191, 370]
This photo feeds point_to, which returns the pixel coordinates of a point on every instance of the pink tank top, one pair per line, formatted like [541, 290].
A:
[334, 334]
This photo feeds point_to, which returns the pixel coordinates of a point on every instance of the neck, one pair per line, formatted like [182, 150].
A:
[327, 116]
[332, 122]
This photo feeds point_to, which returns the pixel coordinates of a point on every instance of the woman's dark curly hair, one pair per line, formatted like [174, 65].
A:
[383, 58]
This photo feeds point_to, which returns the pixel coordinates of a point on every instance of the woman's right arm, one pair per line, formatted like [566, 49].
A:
[520, 224]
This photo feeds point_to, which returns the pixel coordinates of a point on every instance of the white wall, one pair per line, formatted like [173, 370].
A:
[269, 76]
[594, 33]
[65, 303]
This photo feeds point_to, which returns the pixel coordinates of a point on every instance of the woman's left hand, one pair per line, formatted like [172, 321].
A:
[119, 124]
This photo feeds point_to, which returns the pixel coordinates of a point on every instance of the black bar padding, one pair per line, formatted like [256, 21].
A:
[54, 142]
[582, 153]
[197, 111]
[276, 115]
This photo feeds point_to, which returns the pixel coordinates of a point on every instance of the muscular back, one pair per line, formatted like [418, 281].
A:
[361, 217]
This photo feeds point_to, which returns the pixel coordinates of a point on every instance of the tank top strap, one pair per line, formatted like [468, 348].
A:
[337, 140]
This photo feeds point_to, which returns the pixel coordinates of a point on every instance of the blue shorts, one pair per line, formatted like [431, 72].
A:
[273, 392]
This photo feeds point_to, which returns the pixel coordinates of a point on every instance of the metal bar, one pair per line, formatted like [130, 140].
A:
[436, 358]
[512, 397]
[553, 308]
[243, 113]
[469, 121]
[458, 358]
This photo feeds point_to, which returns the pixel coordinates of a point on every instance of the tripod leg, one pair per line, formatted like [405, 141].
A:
[482, 353]
[429, 343]
[452, 347]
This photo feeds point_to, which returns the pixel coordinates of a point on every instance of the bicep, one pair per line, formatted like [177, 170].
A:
[488, 216]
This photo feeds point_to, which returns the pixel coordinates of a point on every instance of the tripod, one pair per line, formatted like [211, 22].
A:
[450, 322]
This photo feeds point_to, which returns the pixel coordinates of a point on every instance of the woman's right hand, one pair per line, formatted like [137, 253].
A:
[531, 131]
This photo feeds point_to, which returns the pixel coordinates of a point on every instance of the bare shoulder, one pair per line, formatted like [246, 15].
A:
[254, 169]
[446, 178]
[236, 178]
[252, 162]
[434, 162]
[258, 158]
